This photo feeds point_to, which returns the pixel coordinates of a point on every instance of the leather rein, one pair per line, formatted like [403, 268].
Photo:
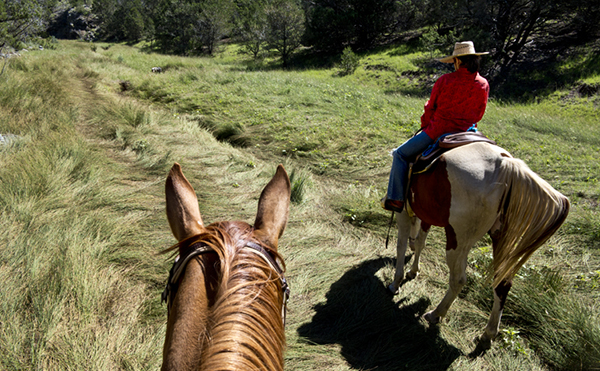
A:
[199, 248]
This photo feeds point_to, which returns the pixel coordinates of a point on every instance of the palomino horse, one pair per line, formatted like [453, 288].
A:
[472, 190]
[226, 293]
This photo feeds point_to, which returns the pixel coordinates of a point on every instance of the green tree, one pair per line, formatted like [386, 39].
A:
[335, 24]
[121, 20]
[517, 33]
[349, 62]
[213, 23]
[133, 22]
[175, 24]
[285, 27]
[250, 22]
[21, 19]
[105, 11]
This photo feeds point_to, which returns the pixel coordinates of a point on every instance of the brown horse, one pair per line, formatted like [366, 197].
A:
[470, 191]
[226, 293]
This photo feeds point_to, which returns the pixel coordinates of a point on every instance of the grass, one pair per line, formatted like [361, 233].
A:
[82, 205]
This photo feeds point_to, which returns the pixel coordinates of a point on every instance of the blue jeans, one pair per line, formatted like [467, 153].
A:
[402, 156]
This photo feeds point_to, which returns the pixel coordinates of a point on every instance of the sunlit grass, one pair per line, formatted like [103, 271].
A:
[82, 211]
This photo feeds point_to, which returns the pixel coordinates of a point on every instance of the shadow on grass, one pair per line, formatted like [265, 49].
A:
[374, 331]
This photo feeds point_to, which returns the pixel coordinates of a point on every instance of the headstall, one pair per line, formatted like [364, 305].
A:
[199, 248]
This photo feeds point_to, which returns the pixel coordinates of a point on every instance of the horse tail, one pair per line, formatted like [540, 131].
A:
[531, 212]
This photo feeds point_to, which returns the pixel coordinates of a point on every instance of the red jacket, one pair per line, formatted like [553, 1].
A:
[457, 101]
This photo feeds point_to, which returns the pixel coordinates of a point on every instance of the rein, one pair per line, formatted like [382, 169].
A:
[199, 248]
[387, 239]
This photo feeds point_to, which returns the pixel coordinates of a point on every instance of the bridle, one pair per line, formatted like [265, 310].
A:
[199, 248]
[276, 266]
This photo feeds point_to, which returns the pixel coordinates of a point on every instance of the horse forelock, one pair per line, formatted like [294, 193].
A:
[244, 326]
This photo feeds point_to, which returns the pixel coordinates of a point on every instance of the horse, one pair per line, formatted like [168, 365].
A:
[226, 294]
[472, 190]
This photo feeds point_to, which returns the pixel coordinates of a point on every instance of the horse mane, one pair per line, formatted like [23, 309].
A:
[245, 329]
[531, 210]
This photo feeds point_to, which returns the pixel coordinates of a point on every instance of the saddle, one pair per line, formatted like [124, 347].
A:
[424, 161]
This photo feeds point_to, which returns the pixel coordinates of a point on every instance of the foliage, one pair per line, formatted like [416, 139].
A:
[511, 339]
[333, 25]
[175, 26]
[22, 19]
[251, 25]
[128, 21]
[522, 36]
[191, 27]
[519, 32]
[285, 27]
[82, 189]
[349, 62]
[433, 41]
[213, 24]
[299, 180]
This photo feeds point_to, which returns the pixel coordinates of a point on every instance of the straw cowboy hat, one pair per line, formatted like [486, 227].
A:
[462, 49]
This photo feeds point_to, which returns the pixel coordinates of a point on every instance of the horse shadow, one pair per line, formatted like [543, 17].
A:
[374, 331]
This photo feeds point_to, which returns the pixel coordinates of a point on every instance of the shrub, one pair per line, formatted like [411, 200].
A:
[349, 62]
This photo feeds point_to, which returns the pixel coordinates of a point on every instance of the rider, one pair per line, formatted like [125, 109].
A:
[457, 102]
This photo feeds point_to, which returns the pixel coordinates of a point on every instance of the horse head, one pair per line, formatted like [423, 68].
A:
[226, 286]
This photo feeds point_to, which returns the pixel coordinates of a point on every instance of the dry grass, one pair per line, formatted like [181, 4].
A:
[82, 216]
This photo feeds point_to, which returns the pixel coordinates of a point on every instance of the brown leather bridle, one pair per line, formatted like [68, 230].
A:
[199, 248]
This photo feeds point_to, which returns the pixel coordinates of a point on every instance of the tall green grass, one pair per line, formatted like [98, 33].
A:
[82, 211]
[65, 303]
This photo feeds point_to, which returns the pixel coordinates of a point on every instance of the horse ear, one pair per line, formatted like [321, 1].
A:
[182, 205]
[273, 208]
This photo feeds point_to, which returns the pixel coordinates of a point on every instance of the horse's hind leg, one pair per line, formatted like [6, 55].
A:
[493, 325]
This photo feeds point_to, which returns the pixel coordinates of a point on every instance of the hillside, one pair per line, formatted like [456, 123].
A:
[82, 210]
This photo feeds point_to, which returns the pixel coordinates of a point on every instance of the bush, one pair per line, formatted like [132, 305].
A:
[349, 62]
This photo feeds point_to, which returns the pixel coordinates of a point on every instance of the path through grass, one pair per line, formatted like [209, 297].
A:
[82, 204]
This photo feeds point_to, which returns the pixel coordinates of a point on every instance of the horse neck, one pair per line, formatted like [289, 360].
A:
[246, 329]
[189, 314]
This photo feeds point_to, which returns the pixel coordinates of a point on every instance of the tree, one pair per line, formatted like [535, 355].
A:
[512, 23]
[21, 19]
[335, 24]
[517, 32]
[251, 25]
[285, 21]
[105, 11]
[132, 27]
[175, 25]
[213, 23]
[121, 20]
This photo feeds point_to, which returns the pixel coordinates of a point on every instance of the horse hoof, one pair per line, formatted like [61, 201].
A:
[484, 342]
[392, 290]
[411, 275]
[431, 318]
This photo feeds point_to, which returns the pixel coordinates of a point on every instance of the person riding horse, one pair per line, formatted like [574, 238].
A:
[458, 101]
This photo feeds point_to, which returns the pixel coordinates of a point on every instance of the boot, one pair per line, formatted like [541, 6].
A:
[392, 205]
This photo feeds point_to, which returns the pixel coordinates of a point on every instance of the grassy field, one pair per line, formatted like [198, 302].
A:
[82, 210]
